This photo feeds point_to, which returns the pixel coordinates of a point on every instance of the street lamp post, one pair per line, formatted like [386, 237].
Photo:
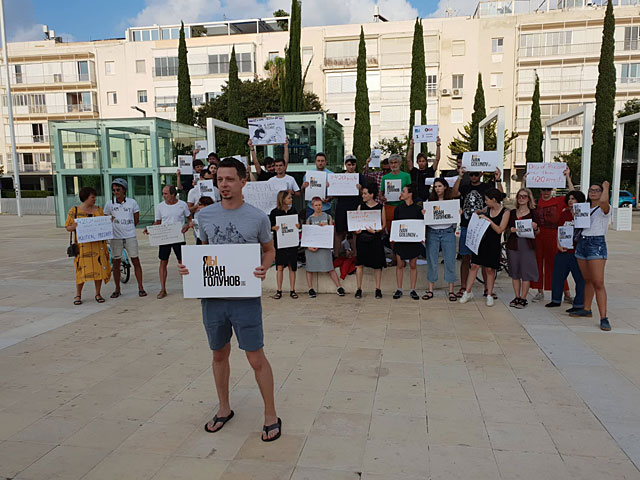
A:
[144, 114]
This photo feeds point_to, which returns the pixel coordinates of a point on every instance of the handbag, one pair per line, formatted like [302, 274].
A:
[73, 250]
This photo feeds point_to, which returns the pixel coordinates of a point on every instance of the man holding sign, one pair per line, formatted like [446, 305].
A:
[321, 164]
[391, 187]
[419, 175]
[232, 221]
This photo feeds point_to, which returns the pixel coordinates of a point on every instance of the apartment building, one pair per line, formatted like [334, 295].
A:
[503, 40]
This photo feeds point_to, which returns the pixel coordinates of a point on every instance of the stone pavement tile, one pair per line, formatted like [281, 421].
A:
[297, 397]
[530, 466]
[365, 354]
[591, 468]
[408, 385]
[12, 423]
[520, 437]
[353, 367]
[252, 470]
[401, 354]
[183, 468]
[333, 453]
[462, 463]
[399, 403]
[297, 421]
[16, 456]
[103, 433]
[456, 408]
[407, 458]
[457, 433]
[132, 466]
[135, 409]
[306, 473]
[51, 429]
[398, 428]
[396, 476]
[400, 369]
[285, 450]
[345, 382]
[341, 424]
[87, 407]
[40, 402]
[591, 443]
[567, 416]
[627, 436]
[223, 445]
[507, 411]
[64, 462]
[160, 439]
[348, 402]
[182, 413]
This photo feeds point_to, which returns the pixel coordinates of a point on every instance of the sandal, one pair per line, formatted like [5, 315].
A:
[278, 295]
[428, 295]
[522, 303]
[115, 294]
[293, 294]
[217, 419]
[515, 302]
[453, 297]
[142, 293]
[460, 292]
[266, 429]
[77, 300]
[99, 299]
[161, 295]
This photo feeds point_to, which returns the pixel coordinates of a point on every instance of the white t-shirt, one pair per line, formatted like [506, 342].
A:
[175, 213]
[123, 223]
[599, 223]
[194, 195]
[285, 183]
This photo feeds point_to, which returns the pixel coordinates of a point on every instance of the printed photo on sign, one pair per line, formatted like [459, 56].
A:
[407, 231]
[582, 215]
[363, 219]
[201, 149]
[342, 184]
[442, 212]
[267, 130]
[317, 236]
[425, 133]
[524, 228]
[262, 195]
[288, 234]
[94, 229]
[392, 190]
[376, 156]
[565, 236]
[221, 271]
[184, 164]
[317, 185]
[546, 175]
[207, 189]
[481, 161]
[475, 231]
[165, 234]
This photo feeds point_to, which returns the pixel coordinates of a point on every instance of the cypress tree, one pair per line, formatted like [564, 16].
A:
[362, 125]
[603, 138]
[184, 110]
[236, 143]
[418, 96]
[479, 112]
[534, 140]
[292, 100]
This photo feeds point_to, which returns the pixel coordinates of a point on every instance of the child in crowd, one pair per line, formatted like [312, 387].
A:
[285, 257]
[408, 209]
[203, 202]
[369, 247]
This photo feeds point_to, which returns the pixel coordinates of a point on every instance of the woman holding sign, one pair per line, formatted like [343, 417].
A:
[407, 251]
[92, 260]
[369, 247]
[285, 257]
[521, 251]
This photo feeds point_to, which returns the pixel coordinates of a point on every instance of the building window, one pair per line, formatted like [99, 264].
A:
[307, 55]
[142, 96]
[457, 115]
[141, 66]
[109, 68]
[166, 66]
[457, 81]
[346, 82]
[219, 63]
[83, 71]
[497, 45]
[630, 73]
[196, 100]
[631, 37]
[496, 80]
[112, 98]
[432, 85]
[457, 47]
[245, 65]
[37, 130]
[19, 74]
[211, 95]
[273, 55]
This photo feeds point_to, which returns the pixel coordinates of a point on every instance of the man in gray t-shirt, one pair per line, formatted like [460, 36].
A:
[229, 222]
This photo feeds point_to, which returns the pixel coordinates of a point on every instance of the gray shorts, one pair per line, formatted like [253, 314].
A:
[222, 317]
[129, 244]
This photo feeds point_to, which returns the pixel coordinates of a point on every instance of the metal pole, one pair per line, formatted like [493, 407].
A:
[16, 173]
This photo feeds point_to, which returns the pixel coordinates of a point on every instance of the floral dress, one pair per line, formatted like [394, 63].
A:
[92, 263]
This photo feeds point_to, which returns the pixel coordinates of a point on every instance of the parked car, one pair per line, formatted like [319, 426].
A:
[627, 199]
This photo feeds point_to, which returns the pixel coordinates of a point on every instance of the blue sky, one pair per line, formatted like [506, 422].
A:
[89, 20]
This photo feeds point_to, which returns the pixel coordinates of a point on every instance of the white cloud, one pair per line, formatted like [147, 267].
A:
[27, 33]
[459, 8]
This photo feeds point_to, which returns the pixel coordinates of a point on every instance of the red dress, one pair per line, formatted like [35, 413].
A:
[548, 218]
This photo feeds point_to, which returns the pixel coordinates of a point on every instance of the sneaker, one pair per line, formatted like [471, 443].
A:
[466, 296]
[397, 295]
[490, 301]
[581, 313]
[538, 296]
[358, 293]
[378, 293]
[568, 299]
[312, 293]
[574, 309]
[340, 292]
[552, 305]
[414, 295]
[604, 324]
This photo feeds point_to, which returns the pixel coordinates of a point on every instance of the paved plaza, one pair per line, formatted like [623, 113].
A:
[367, 389]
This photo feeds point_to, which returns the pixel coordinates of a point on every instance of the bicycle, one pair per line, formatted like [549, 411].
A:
[504, 263]
[125, 265]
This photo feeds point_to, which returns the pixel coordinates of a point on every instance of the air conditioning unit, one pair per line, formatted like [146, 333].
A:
[456, 93]
[445, 92]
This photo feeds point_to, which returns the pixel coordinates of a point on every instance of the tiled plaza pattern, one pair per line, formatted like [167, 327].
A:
[366, 389]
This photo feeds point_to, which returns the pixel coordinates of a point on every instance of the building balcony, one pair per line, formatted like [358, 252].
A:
[42, 110]
[22, 80]
[36, 167]
[349, 62]
[575, 86]
[526, 53]
[34, 140]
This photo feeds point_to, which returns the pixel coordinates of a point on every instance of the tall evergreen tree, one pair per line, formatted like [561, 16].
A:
[184, 109]
[534, 140]
[418, 96]
[603, 139]
[362, 125]
[292, 88]
[236, 142]
[479, 112]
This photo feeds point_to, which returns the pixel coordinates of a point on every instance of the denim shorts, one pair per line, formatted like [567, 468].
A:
[591, 248]
[462, 247]
[222, 317]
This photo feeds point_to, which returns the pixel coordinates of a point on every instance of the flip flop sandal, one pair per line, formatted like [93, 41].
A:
[293, 294]
[77, 300]
[217, 419]
[428, 295]
[142, 293]
[269, 428]
[161, 295]
[115, 294]
[453, 297]
[278, 295]
[99, 299]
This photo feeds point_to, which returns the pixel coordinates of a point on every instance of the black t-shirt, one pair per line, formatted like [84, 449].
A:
[472, 199]
[276, 212]
[418, 178]
[408, 212]
[263, 176]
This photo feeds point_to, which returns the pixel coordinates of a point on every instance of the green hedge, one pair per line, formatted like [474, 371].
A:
[27, 193]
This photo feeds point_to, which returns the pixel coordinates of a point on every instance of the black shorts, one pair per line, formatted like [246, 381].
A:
[164, 251]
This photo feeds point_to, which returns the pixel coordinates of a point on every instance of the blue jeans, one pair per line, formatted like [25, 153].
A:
[563, 264]
[445, 238]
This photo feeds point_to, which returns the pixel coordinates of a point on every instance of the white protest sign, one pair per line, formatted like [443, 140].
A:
[184, 164]
[425, 133]
[317, 185]
[201, 148]
[221, 271]
[481, 161]
[582, 215]
[565, 236]
[165, 234]
[376, 155]
[442, 212]
[262, 195]
[450, 180]
[94, 229]
[546, 175]
[407, 231]
[392, 190]
[342, 184]
[318, 236]
[363, 219]
[475, 231]
[524, 228]
[287, 234]
[241, 159]
[207, 189]
[267, 130]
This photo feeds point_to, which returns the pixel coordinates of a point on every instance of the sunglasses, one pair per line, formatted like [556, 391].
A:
[523, 196]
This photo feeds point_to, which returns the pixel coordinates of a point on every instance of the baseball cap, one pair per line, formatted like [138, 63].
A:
[120, 181]
[350, 159]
